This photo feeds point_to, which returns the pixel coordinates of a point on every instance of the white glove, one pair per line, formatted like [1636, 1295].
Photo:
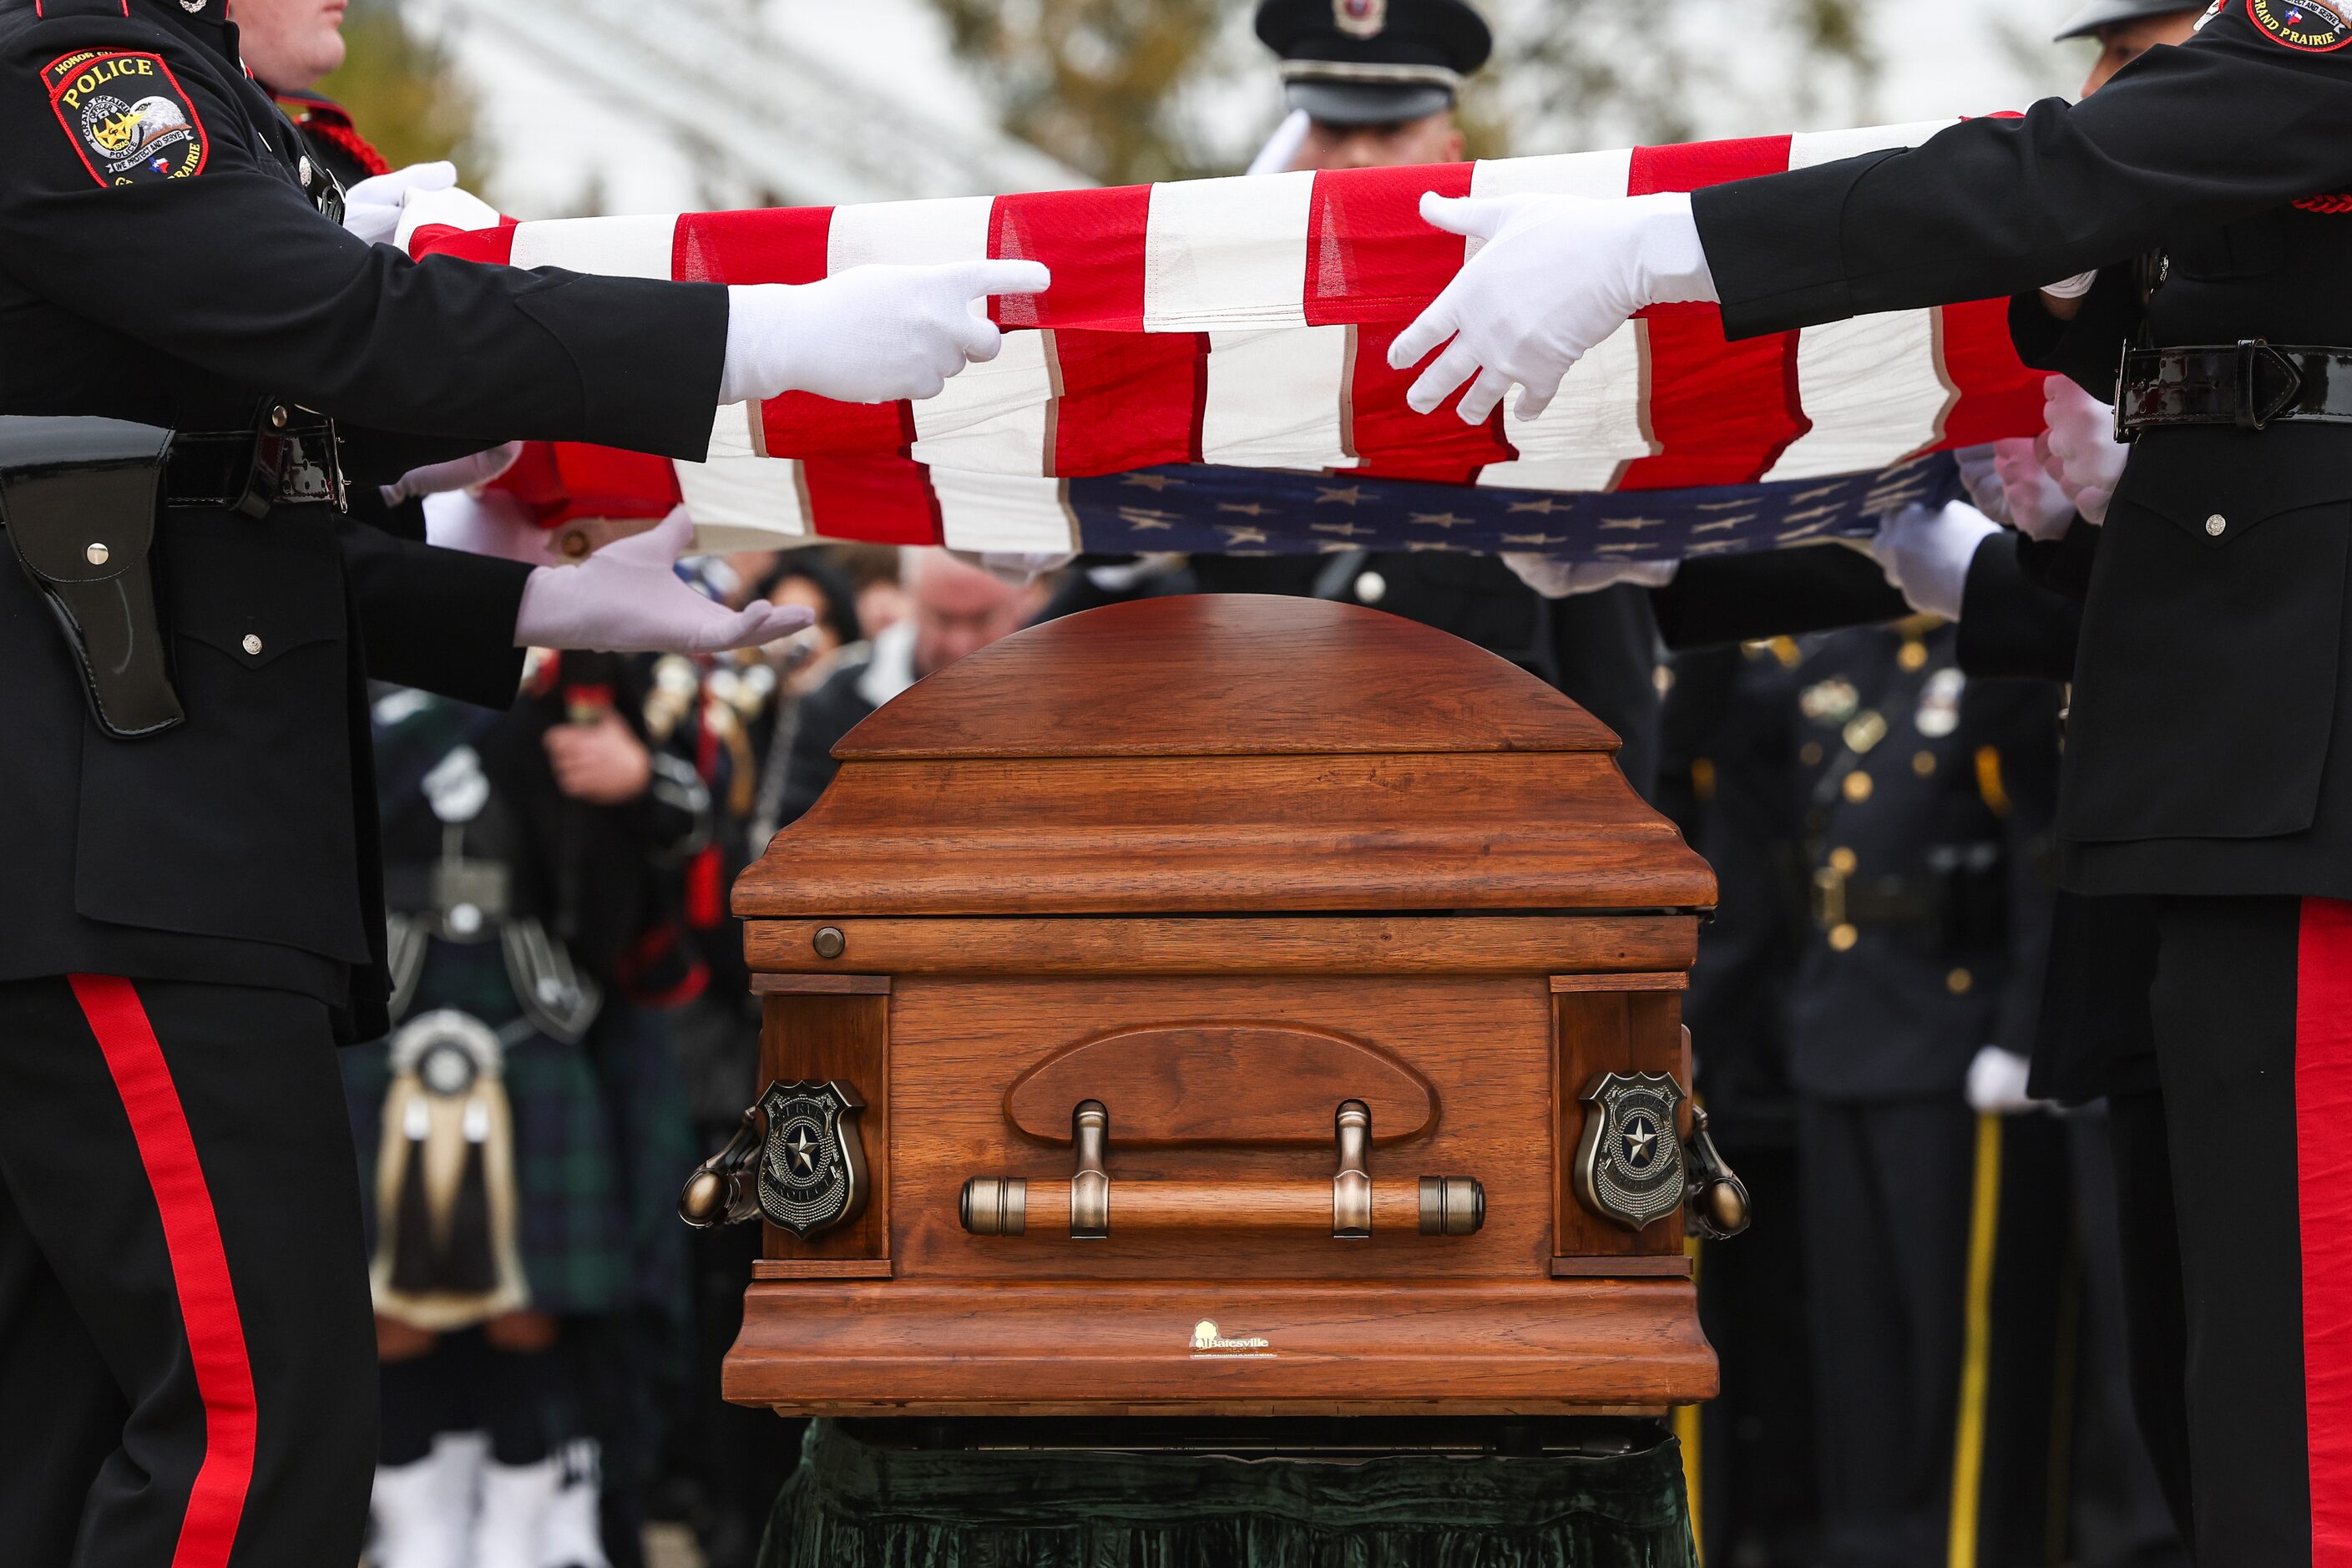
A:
[371, 207]
[1982, 484]
[1557, 579]
[457, 474]
[1557, 275]
[872, 334]
[1280, 148]
[1997, 1083]
[628, 598]
[2080, 448]
[2036, 505]
[1926, 554]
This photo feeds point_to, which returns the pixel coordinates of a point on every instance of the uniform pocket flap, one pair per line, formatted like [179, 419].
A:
[2199, 479]
[258, 591]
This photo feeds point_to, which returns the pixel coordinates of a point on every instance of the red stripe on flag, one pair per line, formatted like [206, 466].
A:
[803, 425]
[1093, 243]
[1998, 396]
[1369, 257]
[495, 245]
[876, 501]
[1129, 400]
[2323, 1099]
[191, 1240]
[785, 247]
[1721, 413]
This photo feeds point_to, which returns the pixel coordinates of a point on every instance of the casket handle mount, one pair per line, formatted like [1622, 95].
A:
[1350, 1208]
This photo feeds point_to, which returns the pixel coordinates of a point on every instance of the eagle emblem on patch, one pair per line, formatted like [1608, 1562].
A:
[812, 1162]
[1360, 18]
[2300, 24]
[127, 115]
[1629, 1162]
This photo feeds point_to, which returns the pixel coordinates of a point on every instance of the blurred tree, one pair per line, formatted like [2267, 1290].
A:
[405, 93]
[1118, 87]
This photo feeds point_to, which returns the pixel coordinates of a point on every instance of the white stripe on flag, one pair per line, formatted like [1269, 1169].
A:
[444, 209]
[908, 233]
[1252, 233]
[1598, 424]
[639, 246]
[1876, 390]
[740, 500]
[1600, 176]
[1811, 147]
[1001, 512]
[992, 418]
[1275, 398]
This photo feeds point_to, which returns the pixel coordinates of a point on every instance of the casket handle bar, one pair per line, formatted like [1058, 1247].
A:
[1349, 1209]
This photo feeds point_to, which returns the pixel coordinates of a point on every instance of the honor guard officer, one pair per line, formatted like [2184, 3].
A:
[2204, 766]
[185, 824]
[1372, 84]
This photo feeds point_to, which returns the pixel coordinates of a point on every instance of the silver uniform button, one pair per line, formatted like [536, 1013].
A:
[303, 171]
[1372, 588]
[252, 644]
[97, 554]
[2216, 524]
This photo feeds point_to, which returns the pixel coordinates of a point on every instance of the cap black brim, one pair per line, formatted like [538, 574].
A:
[1363, 103]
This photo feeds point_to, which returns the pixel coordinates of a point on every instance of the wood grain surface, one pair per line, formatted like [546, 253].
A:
[1227, 1083]
[1546, 1345]
[1226, 674]
[1567, 946]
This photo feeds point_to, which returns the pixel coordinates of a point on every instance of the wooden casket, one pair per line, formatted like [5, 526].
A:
[1222, 1006]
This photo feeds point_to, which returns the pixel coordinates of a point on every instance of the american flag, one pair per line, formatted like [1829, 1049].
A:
[1209, 373]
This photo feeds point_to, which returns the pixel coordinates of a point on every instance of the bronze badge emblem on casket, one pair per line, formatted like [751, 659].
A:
[1629, 1163]
[812, 1162]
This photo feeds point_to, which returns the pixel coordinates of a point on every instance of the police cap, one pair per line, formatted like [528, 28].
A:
[2101, 14]
[1373, 62]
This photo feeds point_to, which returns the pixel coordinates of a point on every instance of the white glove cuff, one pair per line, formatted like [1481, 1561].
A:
[1673, 262]
[2073, 288]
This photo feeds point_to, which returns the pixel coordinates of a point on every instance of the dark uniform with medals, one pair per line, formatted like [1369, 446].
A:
[2203, 767]
[185, 815]
[1353, 64]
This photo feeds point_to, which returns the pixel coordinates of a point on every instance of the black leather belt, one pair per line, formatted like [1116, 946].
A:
[2249, 384]
[289, 459]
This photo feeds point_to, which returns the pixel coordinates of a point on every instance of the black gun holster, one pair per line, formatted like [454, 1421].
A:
[78, 498]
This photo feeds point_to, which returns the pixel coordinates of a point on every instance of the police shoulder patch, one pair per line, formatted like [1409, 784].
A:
[2305, 25]
[127, 115]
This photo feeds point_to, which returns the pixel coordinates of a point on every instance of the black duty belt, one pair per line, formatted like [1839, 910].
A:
[2249, 384]
[288, 459]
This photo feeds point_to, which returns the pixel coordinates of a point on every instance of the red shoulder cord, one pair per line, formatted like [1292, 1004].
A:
[340, 132]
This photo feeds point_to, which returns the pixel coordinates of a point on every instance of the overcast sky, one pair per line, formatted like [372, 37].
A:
[559, 149]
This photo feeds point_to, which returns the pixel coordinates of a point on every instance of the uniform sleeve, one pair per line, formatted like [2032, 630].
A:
[2232, 123]
[2011, 624]
[2028, 735]
[439, 620]
[224, 265]
[1773, 593]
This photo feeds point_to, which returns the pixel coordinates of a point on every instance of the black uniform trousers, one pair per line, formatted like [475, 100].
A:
[2235, 1181]
[187, 1368]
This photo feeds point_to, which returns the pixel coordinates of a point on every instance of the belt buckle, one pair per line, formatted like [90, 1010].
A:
[2248, 415]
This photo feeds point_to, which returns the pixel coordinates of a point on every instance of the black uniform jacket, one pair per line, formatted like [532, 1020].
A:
[187, 288]
[2208, 686]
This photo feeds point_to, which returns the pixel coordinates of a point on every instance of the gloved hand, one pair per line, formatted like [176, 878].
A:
[1555, 578]
[1556, 276]
[627, 598]
[2079, 448]
[1927, 552]
[2036, 506]
[457, 474]
[1997, 1083]
[1280, 148]
[872, 334]
[1982, 483]
[371, 207]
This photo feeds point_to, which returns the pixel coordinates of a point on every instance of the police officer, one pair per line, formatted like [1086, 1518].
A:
[1372, 84]
[2201, 767]
[188, 839]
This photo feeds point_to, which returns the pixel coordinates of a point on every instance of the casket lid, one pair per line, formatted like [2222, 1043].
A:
[1226, 675]
[1220, 755]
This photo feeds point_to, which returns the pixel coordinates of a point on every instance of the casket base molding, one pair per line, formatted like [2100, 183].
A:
[1279, 1348]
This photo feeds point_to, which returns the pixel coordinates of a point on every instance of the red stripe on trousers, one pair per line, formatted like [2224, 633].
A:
[192, 1238]
[2323, 1100]
[1721, 413]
